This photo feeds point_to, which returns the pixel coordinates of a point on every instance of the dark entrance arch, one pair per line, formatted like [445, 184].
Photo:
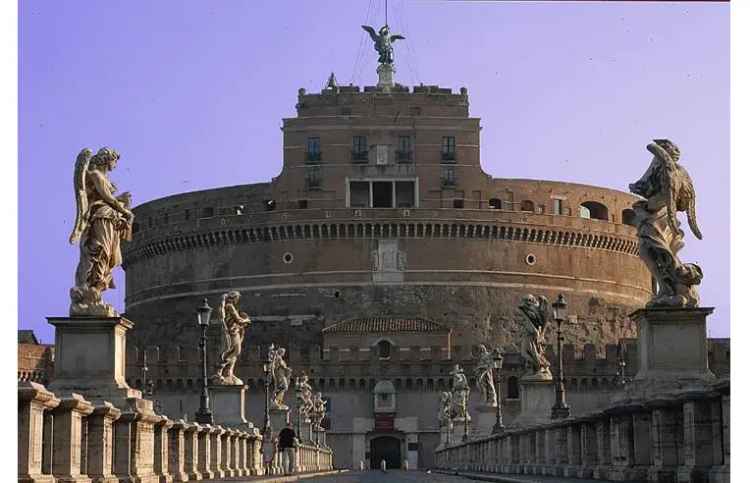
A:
[385, 448]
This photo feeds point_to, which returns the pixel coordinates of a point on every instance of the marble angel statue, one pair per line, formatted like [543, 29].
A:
[103, 220]
[234, 324]
[304, 396]
[280, 374]
[445, 411]
[318, 411]
[667, 189]
[484, 373]
[536, 313]
[460, 393]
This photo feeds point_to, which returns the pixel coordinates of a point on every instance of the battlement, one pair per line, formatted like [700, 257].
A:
[421, 100]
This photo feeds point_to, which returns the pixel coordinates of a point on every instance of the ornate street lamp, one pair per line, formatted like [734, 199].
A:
[204, 416]
[267, 382]
[499, 427]
[560, 312]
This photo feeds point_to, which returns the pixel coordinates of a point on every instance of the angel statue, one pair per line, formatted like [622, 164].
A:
[484, 372]
[667, 189]
[319, 411]
[102, 221]
[383, 40]
[445, 412]
[280, 374]
[460, 393]
[304, 396]
[536, 313]
[235, 323]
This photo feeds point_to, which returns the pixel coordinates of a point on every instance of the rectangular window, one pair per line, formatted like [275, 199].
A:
[359, 148]
[405, 194]
[448, 150]
[458, 204]
[359, 194]
[382, 194]
[313, 149]
[312, 177]
[448, 176]
[207, 212]
[404, 149]
[187, 215]
[302, 204]
[557, 207]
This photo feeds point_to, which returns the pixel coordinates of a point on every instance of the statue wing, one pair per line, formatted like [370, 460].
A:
[373, 35]
[544, 311]
[397, 37]
[79, 187]
[692, 221]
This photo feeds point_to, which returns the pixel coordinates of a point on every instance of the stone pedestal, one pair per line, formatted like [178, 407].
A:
[228, 406]
[385, 76]
[672, 345]
[484, 420]
[537, 399]
[90, 358]
[279, 419]
[459, 431]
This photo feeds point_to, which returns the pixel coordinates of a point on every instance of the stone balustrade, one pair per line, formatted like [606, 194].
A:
[680, 437]
[107, 444]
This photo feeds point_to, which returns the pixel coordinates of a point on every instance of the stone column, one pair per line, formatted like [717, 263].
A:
[242, 454]
[33, 401]
[204, 452]
[603, 449]
[541, 452]
[573, 450]
[161, 449]
[101, 443]
[177, 451]
[68, 439]
[588, 449]
[622, 439]
[226, 453]
[720, 473]
[561, 453]
[642, 441]
[550, 443]
[216, 447]
[191, 451]
[698, 448]
[257, 454]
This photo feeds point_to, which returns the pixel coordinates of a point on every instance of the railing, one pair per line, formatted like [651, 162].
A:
[103, 442]
[679, 437]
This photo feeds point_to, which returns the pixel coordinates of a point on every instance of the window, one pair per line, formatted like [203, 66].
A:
[628, 217]
[382, 194]
[384, 349]
[557, 207]
[239, 210]
[527, 205]
[448, 151]
[496, 204]
[313, 149]
[404, 194]
[312, 177]
[359, 194]
[404, 149]
[594, 210]
[187, 215]
[302, 204]
[269, 205]
[448, 176]
[458, 203]
[359, 148]
[207, 212]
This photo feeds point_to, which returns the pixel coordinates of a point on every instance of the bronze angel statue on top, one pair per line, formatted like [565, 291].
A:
[235, 323]
[667, 189]
[102, 221]
[383, 40]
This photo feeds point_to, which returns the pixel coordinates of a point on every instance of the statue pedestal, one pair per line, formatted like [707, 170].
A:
[279, 419]
[228, 405]
[537, 399]
[90, 359]
[672, 344]
[459, 431]
[385, 76]
[484, 420]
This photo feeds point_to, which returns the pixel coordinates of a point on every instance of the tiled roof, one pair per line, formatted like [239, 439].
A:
[385, 324]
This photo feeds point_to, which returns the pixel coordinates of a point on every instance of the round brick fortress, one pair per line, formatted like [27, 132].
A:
[325, 241]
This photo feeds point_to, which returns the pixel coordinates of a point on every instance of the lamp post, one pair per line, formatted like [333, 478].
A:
[267, 382]
[204, 416]
[559, 312]
[499, 427]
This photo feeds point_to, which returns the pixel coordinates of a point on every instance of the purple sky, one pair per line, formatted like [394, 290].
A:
[192, 95]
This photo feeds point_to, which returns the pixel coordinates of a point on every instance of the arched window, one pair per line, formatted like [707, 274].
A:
[594, 210]
[512, 392]
[384, 349]
[628, 217]
[527, 205]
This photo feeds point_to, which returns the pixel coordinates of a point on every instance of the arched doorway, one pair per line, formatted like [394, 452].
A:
[385, 448]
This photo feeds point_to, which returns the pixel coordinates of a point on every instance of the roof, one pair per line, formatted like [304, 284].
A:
[27, 337]
[385, 324]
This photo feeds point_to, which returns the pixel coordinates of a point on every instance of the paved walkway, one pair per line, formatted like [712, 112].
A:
[494, 477]
[390, 476]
